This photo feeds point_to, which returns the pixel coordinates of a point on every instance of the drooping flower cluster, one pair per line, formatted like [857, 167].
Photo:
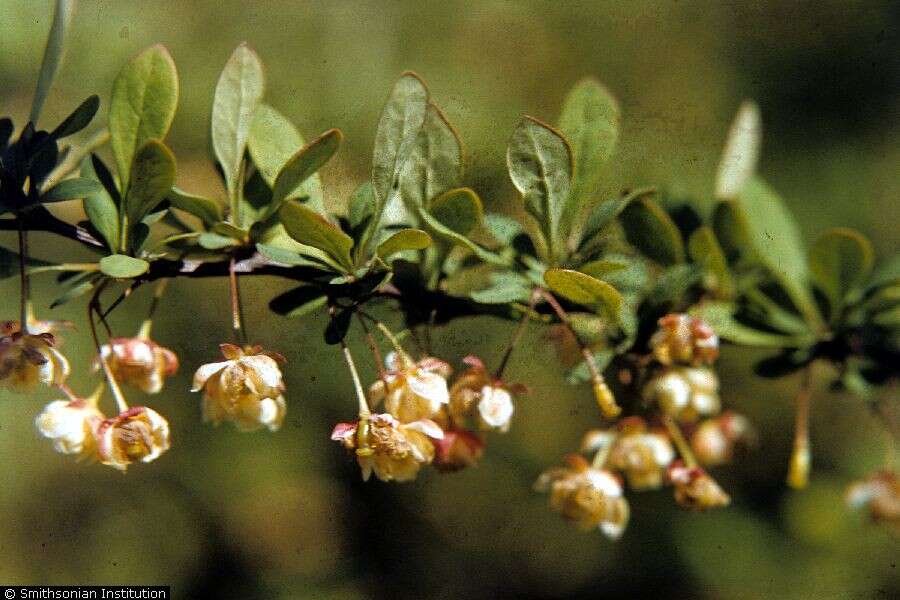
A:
[139, 362]
[879, 494]
[27, 359]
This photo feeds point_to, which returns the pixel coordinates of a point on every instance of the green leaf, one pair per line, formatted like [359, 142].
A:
[302, 165]
[603, 213]
[310, 228]
[216, 241]
[888, 272]
[439, 229]
[738, 163]
[144, 98]
[590, 122]
[505, 287]
[53, 55]
[434, 165]
[78, 120]
[152, 178]
[460, 211]
[840, 262]
[405, 239]
[584, 289]
[286, 257]
[237, 96]
[362, 205]
[651, 230]
[206, 209]
[71, 189]
[121, 266]
[298, 302]
[337, 327]
[776, 241]
[101, 209]
[540, 166]
[9, 263]
[227, 229]
[398, 131]
[705, 250]
[273, 140]
[74, 292]
[720, 316]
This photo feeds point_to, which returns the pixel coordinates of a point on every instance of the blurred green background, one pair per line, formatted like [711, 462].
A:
[284, 515]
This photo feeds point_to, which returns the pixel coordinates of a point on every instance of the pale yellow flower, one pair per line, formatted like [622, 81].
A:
[71, 424]
[641, 455]
[412, 390]
[394, 451]
[139, 362]
[683, 339]
[29, 359]
[695, 489]
[715, 440]
[589, 497]
[476, 393]
[685, 393]
[245, 389]
[137, 434]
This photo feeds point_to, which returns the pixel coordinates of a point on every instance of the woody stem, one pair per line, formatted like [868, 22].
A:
[357, 385]
[94, 306]
[678, 438]
[237, 315]
[517, 335]
[158, 293]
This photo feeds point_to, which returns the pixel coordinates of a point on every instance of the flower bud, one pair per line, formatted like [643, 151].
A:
[71, 425]
[137, 434]
[685, 393]
[245, 389]
[29, 359]
[476, 393]
[683, 339]
[458, 449]
[715, 440]
[139, 362]
[412, 391]
[695, 489]
[394, 451]
[880, 495]
[495, 408]
[798, 467]
[586, 496]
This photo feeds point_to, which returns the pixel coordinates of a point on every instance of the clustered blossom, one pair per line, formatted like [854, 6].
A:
[72, 425]
[715, 440]
[695, 489]
[27, 359]
[685, 393]
[139, 362]
[641, 455]
[683, 339]
[412, 390]
[246, 388]
[879, 494]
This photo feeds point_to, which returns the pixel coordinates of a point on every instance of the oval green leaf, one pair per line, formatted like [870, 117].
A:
[206, 209]
[71, 189]
[651, 230]
[405, 239]
[706, 251]
[840, 261]
[152, 178]
[310, 228]
[584, 289]
[738, 163]
[302, 165]
[101, 209]
[435, 163]
[460, 211]
[121, 266]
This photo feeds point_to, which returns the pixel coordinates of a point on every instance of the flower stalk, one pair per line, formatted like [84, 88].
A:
[798, 471]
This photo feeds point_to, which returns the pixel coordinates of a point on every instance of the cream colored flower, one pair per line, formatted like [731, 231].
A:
[591, 498]
[695, 489]
[642, 456]
[685, 393]
[458, 449]
[137, 434]
[683, 339]
[394, 451]
[412, 390]
[245, 389]
[71, 425]
[880, 494]
[139, 362]
[476, 393]
[715, 440]
[29, 359]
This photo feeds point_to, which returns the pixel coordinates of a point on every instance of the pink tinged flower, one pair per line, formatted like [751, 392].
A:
[394, 451]
[685, 393]
[139, 362]
[495, 408]
[879, 493]
[591, 498]
[683, 339]
[29, 359]
[245, 389]
[139, 434]
[695, 489]
[715, 440]
[458, 449]
[72, 426]
[412, 391]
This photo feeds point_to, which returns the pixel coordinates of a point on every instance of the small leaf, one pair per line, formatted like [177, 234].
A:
[303, 164]
[121, 266]
[74, 292]
[738, 163]
[434, 165]
[78, 120]
[53, 55]
[71, 189]
[144, 98]
[272, 141]
[840, 261]
[101, 209]
[9, 263]
[298, 302]
[459, 211]
[505, 287]
[310, 228]
[705, 250]
[603, 213]
[439, 229]
[405, 239]
[216, 241]
[286, 257]
[584, 289]
[590, 122]
[152, 178]
[337, 327]
[540, 166]
[362, 205]
[720, 316]
[207, 210]
[239, 91]
[651, 230]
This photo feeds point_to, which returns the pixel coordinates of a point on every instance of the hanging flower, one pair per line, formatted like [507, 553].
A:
[642, 456]
[29, 359]
[394, 451]
[715, 440]
[245, 389]
[587, 496]
[457, 449]
[36, 327]
[71, 424]
[683, 339]
[139, 362]
[879, 493]
[477, 394]
[685, 393]
[412, 390]
[695, 489]
[137, 434]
